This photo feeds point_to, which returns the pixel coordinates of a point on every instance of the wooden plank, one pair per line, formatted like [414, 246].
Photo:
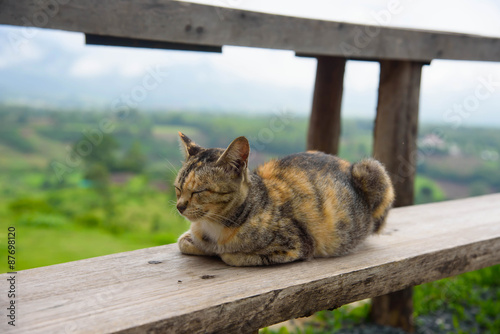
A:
[127, 293]
[395, 145]
[142, 43]
[324, 123]
[395, 135]
[186, 23]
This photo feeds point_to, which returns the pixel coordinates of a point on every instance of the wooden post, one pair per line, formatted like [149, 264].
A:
[395, 145]
[324, 124]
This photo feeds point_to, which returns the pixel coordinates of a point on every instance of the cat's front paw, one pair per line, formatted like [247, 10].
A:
[242, 259]
[232, 259]
[187, 246]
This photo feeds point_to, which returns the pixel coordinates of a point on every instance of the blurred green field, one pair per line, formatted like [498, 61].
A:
[55, 226]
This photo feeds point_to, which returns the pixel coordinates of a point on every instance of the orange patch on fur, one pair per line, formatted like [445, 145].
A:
[388, 198]
[344, 165]
[228, 235]
[267, 170]
[190, 180]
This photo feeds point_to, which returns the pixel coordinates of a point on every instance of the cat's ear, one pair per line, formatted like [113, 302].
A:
[188, 147]
[236, 154]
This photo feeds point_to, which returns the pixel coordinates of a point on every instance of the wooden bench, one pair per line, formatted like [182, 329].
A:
[160, 290]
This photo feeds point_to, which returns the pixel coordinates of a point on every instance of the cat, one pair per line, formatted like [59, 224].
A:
[302, 206]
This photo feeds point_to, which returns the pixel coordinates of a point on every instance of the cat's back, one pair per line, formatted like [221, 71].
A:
[318, 191]
[313, 163]
[313, 183]
[307, 177]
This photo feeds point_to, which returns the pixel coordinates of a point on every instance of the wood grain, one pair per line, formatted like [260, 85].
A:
[396, 125]
[324, 123]
[186, 23]
[125, 293]
[395, 145]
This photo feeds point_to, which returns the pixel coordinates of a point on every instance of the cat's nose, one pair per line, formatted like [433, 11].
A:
[181, 207]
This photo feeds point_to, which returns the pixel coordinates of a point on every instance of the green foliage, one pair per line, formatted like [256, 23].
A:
[134, 159]
[477, 291]
[98, 174]
[89, 220]
[101, 150]
[427, 191]
[37, 219]
[28, 205]
[10, 136]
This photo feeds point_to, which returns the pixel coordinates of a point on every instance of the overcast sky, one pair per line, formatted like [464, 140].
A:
[444, 83]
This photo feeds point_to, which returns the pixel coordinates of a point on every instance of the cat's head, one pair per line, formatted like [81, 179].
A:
[212, 181]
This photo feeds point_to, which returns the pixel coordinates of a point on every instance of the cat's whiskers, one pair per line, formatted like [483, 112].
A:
[196, 212]
[175, 211]
[171, 168]
[221, 219]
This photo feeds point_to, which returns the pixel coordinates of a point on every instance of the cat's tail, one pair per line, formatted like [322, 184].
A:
[372, 179]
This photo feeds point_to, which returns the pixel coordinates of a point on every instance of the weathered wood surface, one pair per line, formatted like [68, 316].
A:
[189, 294]
[324, 123]
[395, 145]
[396, 125]
[178, 22]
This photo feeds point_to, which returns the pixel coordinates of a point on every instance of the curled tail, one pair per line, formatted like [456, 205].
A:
[371, 178]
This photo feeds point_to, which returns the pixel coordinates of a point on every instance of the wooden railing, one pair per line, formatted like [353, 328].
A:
[185, 26]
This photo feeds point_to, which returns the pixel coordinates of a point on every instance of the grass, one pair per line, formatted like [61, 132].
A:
[39, 246]
[71, 223]
[472, 298]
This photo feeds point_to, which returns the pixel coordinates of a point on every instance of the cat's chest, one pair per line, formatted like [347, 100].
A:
[207, 230]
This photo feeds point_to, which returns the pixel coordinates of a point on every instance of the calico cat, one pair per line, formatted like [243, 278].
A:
[302, 206]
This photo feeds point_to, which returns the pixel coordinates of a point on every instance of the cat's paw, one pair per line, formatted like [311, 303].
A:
[242, 259]
[187, 246]
[232, 259]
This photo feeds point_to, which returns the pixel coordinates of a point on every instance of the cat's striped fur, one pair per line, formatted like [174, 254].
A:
[302, 206]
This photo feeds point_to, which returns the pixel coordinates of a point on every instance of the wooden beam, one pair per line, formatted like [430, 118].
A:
[148, 44]
[396, 124]
[162, 291]
[187, 23]
[395, 145]
[324, 123]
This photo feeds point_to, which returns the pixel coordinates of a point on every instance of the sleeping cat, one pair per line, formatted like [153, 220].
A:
[302, 206]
